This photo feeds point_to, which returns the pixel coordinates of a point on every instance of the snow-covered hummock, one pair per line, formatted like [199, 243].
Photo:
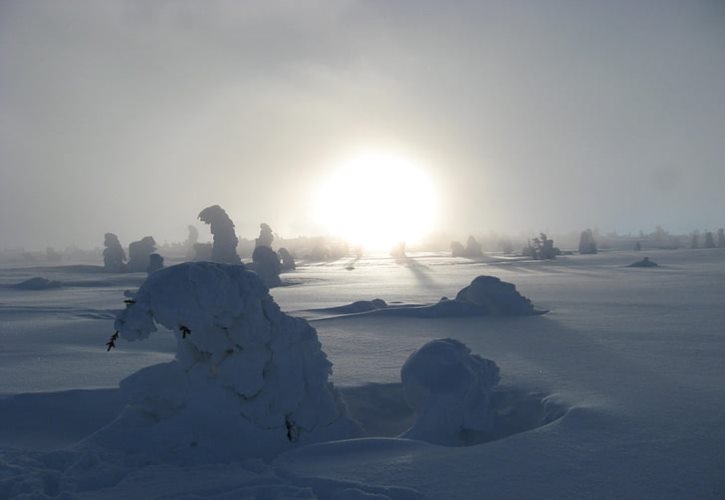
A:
[450, 390]
[490, 295]
[643, 263]
[247, 381]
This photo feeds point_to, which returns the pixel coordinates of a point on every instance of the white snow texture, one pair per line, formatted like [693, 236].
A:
[247, 381]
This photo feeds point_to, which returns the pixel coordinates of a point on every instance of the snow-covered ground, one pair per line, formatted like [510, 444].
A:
[619, 391]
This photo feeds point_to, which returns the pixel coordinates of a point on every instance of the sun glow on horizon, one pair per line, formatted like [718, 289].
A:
[377, 200]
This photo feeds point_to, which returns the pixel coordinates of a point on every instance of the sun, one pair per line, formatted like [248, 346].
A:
[377, 200]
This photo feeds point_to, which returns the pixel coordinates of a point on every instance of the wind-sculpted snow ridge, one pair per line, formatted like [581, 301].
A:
[485, 296]
[247, 381]
[450, 390]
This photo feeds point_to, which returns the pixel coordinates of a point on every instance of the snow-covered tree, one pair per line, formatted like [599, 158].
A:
[247, 380]
[139, 254]
[224, 249]
[266, 237]
[709, 240]
[587, 244]
[114, 258]
[288, 260]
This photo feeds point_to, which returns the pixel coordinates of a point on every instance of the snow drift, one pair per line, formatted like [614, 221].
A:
[247, 381]
[450, 390]
[485, 296]
[37, 283]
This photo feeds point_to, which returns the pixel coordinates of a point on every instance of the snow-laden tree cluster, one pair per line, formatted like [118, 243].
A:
[247, 381]
[450, 391]
[472, 249]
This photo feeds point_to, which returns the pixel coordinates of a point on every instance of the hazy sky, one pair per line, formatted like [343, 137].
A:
[132, 116]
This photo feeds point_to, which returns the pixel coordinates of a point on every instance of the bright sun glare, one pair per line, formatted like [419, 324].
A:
[377, 200]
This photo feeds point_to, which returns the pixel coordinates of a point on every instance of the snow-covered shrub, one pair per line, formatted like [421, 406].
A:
[450, 391]
[247, 381]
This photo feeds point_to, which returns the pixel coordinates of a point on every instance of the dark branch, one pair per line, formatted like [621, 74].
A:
[112, 342]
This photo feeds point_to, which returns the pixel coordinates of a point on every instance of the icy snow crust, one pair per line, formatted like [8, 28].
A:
[247, 381]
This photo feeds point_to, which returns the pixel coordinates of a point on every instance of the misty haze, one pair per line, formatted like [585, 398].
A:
[360, 249]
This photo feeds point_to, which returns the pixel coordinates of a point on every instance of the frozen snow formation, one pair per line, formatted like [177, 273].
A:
[288, 260]
[139, 254]
[643, 263]
[224, 249]
[113, 255]
[265, 262]
[265, 236]
[485, 296]
[247, 381]
[490, 295]
[450, 391]
[471, 250]
[358, 306]
[202, 251]
[587, 243]
[156, 262]
[190, 241]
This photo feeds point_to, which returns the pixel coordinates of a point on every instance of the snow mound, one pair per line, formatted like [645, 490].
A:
[450, 391]
[247, 381]
[643, 263]
[485, 296]
[490, 295]
[358, 306]
[37, 283]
